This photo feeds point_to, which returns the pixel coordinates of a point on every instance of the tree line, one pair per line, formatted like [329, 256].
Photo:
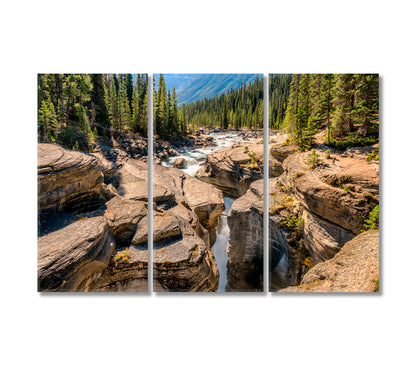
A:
[242, 107]
[347, 105]
[238, 108]
[73, 109]
[169, 122]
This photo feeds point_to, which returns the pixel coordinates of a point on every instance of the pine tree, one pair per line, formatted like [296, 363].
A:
[47, 122]
[291, 118]
[367, 99]
[325, 107]
[129, 87]
[99, 97]
[344, 100]
[224, 115]
[173, 119]
[183, 121]
[161, 114]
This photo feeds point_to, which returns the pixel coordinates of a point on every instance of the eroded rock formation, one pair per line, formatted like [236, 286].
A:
[245, 247]
[104, 246]
[355, 268]
[233, 169]
[68, 180]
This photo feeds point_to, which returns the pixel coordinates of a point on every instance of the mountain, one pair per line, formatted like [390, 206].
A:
[192, 87]
[179, 81]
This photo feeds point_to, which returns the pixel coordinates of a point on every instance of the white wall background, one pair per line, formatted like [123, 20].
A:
[206, 334]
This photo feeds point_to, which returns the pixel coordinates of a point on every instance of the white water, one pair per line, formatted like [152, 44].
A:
[195, 158]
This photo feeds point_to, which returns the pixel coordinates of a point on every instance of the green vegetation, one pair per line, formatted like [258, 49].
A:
[377, 285]
[292, 222]
[238, 108]
[346, 105]
[314, 160]
[74, 109]
[245, 149]
[352, 140]
[347, 188]
[335, 181]
[281, 186]
[253, 163]
[374, 155]
[122, 257]
[170, 123]
[327, 154]
[372, 222]
[303, 254]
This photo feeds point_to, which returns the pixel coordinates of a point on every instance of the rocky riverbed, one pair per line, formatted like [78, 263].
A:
[316, 211]
[93, 216]
[93, 229]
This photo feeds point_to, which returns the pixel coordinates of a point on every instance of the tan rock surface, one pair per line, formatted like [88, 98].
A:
[69, 256]
[355, 268]
[321, 190]
[227, 168]
[68, 180]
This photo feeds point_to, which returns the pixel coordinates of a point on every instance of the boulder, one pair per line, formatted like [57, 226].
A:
[181, 259]
[68, 180]
[123, 217]
[133, 183]
[70, 257]
[355, 268]
[205, 200]
[232, 169]
[180, 163]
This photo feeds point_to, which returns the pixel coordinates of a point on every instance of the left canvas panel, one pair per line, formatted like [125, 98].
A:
[92, 183]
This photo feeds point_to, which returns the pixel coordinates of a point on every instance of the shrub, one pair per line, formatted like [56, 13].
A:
[328, 153]
[374, 155]
[281, 186]
[352, 140]
[122, 257]
[308, 261]
[253, 163]
[372, 222]
[292, 222]
[314, 160]
[347, 188]
[377, 285]
[245, 149]
[335, 181]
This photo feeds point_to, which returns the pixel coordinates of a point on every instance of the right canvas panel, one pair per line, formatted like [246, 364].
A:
[324, 182]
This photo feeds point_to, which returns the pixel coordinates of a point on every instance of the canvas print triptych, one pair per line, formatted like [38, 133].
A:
[250, 183]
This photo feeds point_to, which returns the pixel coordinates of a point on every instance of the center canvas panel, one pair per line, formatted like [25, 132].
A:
[208, 183]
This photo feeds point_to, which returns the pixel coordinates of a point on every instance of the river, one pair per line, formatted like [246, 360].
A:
[195, 158]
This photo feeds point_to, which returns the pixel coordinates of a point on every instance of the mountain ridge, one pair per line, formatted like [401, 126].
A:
[193, 87]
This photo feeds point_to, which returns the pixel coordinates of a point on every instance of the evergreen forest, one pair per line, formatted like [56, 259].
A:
[238, 108]
[346, 105]
[73, 109]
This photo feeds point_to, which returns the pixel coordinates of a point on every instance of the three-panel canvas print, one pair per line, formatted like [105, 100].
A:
[224, 183]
